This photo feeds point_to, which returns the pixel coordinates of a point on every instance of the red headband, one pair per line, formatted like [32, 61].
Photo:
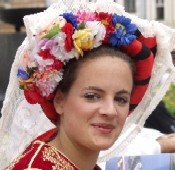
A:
[143, 52]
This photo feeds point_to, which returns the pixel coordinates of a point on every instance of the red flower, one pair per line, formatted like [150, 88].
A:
[58, 65]
[45, 54]
[68, 30]
[106, 20]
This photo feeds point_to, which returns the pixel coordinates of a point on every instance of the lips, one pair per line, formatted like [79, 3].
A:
[104, 127]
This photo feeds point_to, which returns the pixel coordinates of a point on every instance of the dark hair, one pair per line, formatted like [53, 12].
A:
[72, 67]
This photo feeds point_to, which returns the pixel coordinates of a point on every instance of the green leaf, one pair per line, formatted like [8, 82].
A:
[169, 100]
[51, 33]
[31, 70]
[21, 87]
[81, 26]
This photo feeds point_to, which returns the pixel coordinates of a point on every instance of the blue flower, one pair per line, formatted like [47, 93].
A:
[124, 31]
[22, 74]
[71, 18]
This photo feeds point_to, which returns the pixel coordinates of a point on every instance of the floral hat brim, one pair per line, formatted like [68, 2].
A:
[70, 35]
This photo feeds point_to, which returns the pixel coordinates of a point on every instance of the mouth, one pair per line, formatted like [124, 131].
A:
[103, 128]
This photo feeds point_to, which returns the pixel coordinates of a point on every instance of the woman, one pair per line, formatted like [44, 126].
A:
[88, 70]
[93, 107]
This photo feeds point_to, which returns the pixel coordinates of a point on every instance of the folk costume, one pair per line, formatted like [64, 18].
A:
[43, 156]
[68, 29]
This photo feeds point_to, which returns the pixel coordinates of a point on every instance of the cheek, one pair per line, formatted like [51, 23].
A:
[75, 110]
[122, 119]
[122, 116]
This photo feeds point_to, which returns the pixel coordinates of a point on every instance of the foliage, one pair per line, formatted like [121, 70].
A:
[169, 100]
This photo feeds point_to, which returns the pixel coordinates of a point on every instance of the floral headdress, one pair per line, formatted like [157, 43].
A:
[70, 35]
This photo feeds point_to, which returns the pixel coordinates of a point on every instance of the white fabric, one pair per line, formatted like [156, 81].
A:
[13, 126]
[144, 144]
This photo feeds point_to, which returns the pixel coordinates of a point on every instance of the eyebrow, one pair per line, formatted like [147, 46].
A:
[123, 91]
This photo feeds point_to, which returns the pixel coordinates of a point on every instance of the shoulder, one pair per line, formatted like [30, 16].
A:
[39, 156]
[31, 158]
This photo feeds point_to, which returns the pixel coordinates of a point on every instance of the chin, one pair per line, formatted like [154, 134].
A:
[103, 146]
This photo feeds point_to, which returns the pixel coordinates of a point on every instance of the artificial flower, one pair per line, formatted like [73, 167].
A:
[68, 30]
[45, 54]
[98, 31]
[60, 46]
[42, 64]
[85, 16]
[47, 81]
[22, 74]
[71, 18]
[58, 22]
[83, 40]
[46, 44]
[44, 59]
[53, 63]
[124, 31]
[26, 84]
[106, 20]
[58, 65]
[52, 32]
[59, 50]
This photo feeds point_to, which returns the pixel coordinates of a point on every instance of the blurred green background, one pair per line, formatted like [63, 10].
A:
[169, 100]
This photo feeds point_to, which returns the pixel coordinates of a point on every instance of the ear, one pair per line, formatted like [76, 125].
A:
[58, 102]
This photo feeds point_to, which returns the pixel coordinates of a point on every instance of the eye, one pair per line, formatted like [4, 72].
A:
[121, 100]
[91, 96]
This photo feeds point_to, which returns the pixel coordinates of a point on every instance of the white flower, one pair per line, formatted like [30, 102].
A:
[41, 62]
[60, 41]
[59, 51]
[98, 32]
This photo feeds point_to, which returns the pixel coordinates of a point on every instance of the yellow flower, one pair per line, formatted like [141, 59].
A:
[25, 83]
[83, 40]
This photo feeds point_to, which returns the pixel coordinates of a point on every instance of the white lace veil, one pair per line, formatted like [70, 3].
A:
[21, 122]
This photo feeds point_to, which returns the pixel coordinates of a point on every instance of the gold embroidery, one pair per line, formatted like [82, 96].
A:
[36, 153]
[12, 164]
[59, 161]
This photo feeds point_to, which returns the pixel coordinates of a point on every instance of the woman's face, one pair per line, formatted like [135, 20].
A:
[95, 109]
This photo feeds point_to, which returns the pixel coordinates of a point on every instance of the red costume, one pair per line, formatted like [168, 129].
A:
[41, 156]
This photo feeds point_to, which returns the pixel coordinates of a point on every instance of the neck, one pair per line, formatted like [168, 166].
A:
[83, 158]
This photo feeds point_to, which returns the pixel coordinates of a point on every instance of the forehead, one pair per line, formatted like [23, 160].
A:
[107, 72]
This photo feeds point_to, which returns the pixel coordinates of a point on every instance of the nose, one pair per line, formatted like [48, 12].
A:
[108, 108]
